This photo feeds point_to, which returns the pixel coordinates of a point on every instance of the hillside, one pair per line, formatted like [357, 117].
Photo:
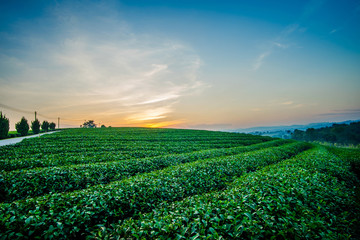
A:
[285, 131]
[141, 183]
[337, 133]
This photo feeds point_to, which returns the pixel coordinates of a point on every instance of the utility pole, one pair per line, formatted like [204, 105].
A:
[58, 122]
[35, 115]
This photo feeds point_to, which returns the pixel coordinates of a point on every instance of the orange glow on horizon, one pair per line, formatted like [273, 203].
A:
[163, 124]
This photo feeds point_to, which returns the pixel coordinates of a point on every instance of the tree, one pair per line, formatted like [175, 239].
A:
[89, 124]
[45, 126]
[52, 126]
[22, 127]
[298, 134]
[4, 126]
[103, 126]
[310, 134]
[35, 126]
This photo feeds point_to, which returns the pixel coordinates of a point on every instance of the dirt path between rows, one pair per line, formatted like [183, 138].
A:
[19, 139]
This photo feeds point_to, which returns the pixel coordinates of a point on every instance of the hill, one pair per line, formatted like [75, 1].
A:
[171, 184]
[284, 131]
[337, 133]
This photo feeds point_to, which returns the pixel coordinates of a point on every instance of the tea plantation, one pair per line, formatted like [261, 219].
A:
[139, 183]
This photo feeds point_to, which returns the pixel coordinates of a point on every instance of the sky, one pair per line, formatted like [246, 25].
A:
[215, 65]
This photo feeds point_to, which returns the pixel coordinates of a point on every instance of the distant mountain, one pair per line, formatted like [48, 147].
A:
[280, 130]
[337, 133]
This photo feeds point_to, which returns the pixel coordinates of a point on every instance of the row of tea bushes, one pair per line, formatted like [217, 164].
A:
[351, 155]
[307, 197]
[75, 214]
[91, 140]
[21, 184]
[47, 152]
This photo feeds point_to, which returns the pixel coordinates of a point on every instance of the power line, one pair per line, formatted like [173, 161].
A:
[39, 114]
[15, 109]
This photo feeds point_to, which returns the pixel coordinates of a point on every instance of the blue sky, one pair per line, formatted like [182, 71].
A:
[189, 64]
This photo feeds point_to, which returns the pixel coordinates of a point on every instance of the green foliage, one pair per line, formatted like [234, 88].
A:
[140, 183]
[83, 146]
[35, 182]
[89, 124]
[338, 133]
[22, 127]
[45, 126]
[352, 156]
[122, 199]
[35, 126]
[52, 126]
[290, 200]
[4, 126]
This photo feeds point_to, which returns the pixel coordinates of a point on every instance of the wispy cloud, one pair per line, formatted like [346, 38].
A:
[157, 68]
[350, 18]
[276, 104]
[334, 31]
[219, 126]
[278, 42]
[260, 60]
[281, 45]
[114, 71]
[345, 112]
[289, 30]
[287, 103]
[291, 104]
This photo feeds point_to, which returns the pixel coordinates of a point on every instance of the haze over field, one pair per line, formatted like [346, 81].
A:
[186, 64]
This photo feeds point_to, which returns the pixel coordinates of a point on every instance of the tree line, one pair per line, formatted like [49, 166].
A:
[23, 127]
[337, 133]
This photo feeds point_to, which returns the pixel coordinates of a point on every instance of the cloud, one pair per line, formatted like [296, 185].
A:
[162, 98]
[345, 113]
[281, 45]
[260, 59]
[150, 114]
[290, 29]
[220, 126]
[311, 7]
[349, 19]
[291, 104]
[157, 68]
[91, 64]
[333, 31]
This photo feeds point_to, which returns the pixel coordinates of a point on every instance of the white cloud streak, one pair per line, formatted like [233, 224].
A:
[287, 103]
[310, 8]
[113, 72]
[260, 59]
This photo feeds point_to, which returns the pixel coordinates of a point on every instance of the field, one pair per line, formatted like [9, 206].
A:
[138, 183]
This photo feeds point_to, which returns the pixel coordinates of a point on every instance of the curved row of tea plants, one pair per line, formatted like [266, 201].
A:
[351, 155]
[39, 181]
[94, 146]
[78, 140]
[75, 214]
[307, 197]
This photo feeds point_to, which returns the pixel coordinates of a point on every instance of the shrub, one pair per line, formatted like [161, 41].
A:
[35, 126]
[45, 126]
[290, 200]
[22, 127]
[4, 126]
[52, 126]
